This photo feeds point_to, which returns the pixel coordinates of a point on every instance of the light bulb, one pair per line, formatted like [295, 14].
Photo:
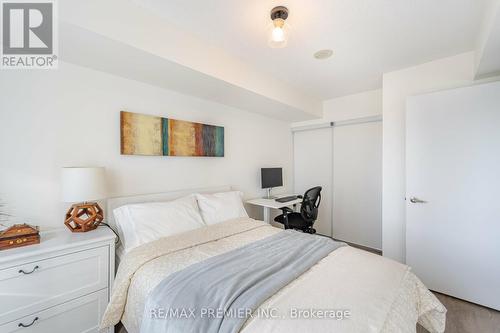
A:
[278, 35]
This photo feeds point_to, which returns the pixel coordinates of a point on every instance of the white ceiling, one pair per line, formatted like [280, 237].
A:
[127, 61]
[488, 50]
[126, 39]
[369, 37]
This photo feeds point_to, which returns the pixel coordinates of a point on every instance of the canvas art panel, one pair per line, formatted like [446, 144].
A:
[151, 135]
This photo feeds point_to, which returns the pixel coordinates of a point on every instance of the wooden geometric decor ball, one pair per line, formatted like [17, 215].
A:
[84, 217]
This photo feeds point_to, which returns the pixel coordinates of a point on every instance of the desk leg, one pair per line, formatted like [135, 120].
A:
[267, 214]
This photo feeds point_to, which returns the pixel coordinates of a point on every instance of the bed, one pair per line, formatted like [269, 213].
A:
[347, 290]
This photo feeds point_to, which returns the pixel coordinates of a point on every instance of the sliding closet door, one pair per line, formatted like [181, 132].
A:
[313, 167]
[357, 183]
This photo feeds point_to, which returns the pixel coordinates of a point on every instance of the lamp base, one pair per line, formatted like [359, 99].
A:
[84, 217]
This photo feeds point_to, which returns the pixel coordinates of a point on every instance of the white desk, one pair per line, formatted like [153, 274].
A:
[267, 204]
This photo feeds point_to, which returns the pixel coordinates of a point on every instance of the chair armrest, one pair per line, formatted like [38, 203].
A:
[286, 210]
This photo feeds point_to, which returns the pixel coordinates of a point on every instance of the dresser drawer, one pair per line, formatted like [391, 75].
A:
[29, 288]
[77, 316]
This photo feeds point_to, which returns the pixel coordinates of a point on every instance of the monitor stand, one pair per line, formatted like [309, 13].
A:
[269, 196]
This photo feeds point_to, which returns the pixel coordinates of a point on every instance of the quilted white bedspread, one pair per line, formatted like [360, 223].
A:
[379, 295]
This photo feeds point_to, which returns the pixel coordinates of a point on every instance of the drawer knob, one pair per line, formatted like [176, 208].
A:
[34, 269]
[23, 325]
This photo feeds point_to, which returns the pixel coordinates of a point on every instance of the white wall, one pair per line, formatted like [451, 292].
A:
[397, 86]
[365, 104]
[70, 117]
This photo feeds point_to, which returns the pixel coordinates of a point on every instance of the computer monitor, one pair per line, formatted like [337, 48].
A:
[271, 177]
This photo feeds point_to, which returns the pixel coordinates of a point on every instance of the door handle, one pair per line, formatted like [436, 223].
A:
[416, 200]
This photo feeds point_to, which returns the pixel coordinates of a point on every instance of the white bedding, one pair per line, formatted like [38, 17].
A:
[143, 223]
[381, 295]
[120, 254]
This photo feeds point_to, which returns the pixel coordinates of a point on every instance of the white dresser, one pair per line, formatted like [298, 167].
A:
[61, 285]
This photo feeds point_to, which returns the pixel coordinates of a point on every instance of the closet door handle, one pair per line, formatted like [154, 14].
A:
[23, 325]
[32, 271]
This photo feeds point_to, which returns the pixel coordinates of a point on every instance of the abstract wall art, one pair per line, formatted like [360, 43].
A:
[150, 135]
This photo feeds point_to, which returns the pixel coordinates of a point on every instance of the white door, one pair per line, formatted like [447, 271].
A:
[313, 167]
[453, 164]
[357, 183]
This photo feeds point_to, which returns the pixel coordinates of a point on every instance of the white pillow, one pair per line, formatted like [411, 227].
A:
[142, 223]
[220, 207]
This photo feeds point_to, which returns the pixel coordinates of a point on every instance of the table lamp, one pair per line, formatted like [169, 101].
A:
[82, 187]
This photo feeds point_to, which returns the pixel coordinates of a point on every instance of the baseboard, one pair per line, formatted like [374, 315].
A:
[361, 247]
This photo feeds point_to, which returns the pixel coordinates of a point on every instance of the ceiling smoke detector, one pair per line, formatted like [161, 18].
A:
[323, 54]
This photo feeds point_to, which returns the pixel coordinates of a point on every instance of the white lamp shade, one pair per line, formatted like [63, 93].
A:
[83, 184]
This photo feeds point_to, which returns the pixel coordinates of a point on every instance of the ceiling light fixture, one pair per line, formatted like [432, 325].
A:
[278, 36]
[323, 54]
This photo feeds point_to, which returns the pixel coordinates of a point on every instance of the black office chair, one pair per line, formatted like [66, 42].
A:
[308, 212]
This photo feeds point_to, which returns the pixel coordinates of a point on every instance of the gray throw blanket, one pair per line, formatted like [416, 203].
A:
[220, 293]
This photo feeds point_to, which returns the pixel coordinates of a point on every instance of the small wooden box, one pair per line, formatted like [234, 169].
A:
[19, 235]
